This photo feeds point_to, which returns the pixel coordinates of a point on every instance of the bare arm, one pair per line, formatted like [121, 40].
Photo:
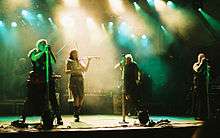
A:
[197, 66]
[85, 68]
[68, 68]
[35, 56]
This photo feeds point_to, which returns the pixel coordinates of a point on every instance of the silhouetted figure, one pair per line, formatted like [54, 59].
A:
[41, 87]
[200, 88]
[20, 73]
[131, 80]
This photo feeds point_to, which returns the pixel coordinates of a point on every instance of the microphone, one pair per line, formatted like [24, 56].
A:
[48, 45]
[205, 60]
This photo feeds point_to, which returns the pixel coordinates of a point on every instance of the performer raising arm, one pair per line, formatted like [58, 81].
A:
[200, 106]
[76, 82]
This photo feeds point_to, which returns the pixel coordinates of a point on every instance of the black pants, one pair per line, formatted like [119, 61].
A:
[133, 102]
[37, 100]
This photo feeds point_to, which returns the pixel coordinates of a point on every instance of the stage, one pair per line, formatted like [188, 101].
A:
[103, 126]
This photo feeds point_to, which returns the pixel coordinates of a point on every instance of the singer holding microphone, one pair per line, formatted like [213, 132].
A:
[75, 67]
[200, 101]
[41, 87]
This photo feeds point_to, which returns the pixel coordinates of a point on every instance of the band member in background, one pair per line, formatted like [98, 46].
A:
[20, 73]
[200, 87]
[41, 93]
[76, 68]
[131, 79]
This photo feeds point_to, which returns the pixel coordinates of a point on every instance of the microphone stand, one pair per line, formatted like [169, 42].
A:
[47, 77]
[207, 87]
[47, 115]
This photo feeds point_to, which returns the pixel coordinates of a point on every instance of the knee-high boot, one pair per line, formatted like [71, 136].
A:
[76, 113]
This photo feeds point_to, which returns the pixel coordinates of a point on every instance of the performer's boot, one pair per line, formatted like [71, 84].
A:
[20, 123]
[22, 118]
[76, 113]
[47, 118]
[59, 120]
[57, 115]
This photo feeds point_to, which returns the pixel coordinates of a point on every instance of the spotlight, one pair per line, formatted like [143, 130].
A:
[133, 36]
[14, 24]
[151, 2]
[136, 6]
[50, 20]
[40, 17]
[90, 23]
[1, 23]
[197, 4]
[110, 24]
[24, 12]
[110, 27]
[170, 4]
[162, 27]
[144, 36]
[117, 6]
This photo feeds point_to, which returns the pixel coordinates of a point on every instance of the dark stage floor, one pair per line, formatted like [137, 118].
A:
[103, 126]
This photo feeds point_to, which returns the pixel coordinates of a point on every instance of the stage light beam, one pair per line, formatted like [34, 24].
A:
[215, 24]
[136, 6]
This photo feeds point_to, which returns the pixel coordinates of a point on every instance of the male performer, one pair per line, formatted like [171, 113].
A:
[200, 89]
[131, 80]
[41, 86]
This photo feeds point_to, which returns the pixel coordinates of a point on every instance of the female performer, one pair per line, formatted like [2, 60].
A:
[76, 68]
